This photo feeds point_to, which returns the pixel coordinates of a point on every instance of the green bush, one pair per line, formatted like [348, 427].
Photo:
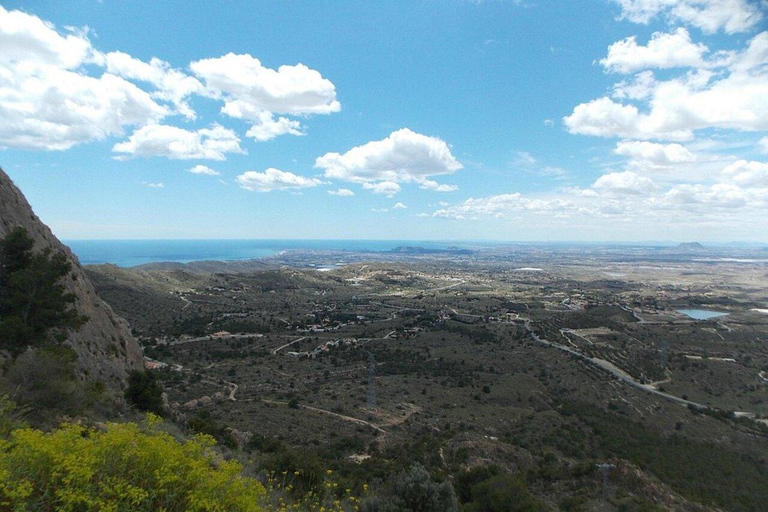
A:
[415, 491]
[44, 381]
[122, 467]
[145, 392]
[502, 493]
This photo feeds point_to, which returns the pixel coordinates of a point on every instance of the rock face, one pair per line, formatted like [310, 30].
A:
[106, 350]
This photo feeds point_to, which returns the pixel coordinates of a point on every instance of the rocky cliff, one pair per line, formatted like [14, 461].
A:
[106, 350]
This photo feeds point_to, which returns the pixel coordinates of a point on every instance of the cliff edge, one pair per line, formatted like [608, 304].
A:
[106, 350]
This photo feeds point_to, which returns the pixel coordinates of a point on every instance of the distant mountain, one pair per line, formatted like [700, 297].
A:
[690, 246]
[106, 350]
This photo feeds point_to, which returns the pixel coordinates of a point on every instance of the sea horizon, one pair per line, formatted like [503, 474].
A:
[135, 252]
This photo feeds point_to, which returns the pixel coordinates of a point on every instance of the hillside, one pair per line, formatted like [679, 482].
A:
[106, 350]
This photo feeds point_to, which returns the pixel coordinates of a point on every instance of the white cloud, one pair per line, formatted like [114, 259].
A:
[57, 90]
[731, 16]
[664, 50]
[604, 117]
[267, 127]
[549, 122]
[437, 187]
[343, 192]
[626, 182]
[399, 206]
[172, 85]
[736, 203]
[203, 169]
[179, 144]
[379, 210]
[255, 93]
[747, 174]
[735, 98]
[639, 88]
[249, 88]
[387, 188]
[658, 155]
[153, 185]
[56, 109]
[709, 199]
[403, 157]
[274, 179]
[29, 42]
[47, 102]
[763, 143]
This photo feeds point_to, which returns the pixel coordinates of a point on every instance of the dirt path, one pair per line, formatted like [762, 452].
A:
[331, 413]
[281, 347]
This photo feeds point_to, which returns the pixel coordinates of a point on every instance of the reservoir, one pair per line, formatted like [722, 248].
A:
[701, 314]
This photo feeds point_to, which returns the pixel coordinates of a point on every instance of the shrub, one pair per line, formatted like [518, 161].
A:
[145, 392]
[123, 467]
[44, 381]
[415, 491]
[502, 493]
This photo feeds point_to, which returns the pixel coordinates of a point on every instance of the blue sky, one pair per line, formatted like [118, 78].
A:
[530, 120]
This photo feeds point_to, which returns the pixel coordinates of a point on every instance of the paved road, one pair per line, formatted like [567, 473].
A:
[612, 369]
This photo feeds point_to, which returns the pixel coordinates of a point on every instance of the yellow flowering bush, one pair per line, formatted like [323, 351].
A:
[124, 467]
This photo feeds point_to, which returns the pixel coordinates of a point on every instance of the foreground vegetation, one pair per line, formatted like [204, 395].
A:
[120, 467]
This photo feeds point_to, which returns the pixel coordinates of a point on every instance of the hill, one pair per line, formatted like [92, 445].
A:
[106, 351]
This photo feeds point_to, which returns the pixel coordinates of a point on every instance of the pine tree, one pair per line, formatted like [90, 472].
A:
[35, 307]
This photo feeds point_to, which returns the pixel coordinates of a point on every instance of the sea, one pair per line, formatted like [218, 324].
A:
[130, 253]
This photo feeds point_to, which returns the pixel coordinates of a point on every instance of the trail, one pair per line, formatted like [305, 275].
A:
[331, 413]
[281, 347]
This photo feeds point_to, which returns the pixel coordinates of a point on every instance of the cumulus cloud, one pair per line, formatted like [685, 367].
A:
[153, 185]
[736, 97]
[403, 157]
[172, 85]
[604, 117]
[203, 169]
[47, 102]
[437, 187]
[267, 127]
[730, 16]
[255, 93]
[179, 144]
[57, 90]
[626, 182]
[387, 188]
[343, 192]
[720, 196]
[249, 88]
[664, 50]
[274, 179]
[747, 173]
[399, 206]
[657, 155]
[738, 199]
[763, 144]
[30, 42]
[640, 87]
